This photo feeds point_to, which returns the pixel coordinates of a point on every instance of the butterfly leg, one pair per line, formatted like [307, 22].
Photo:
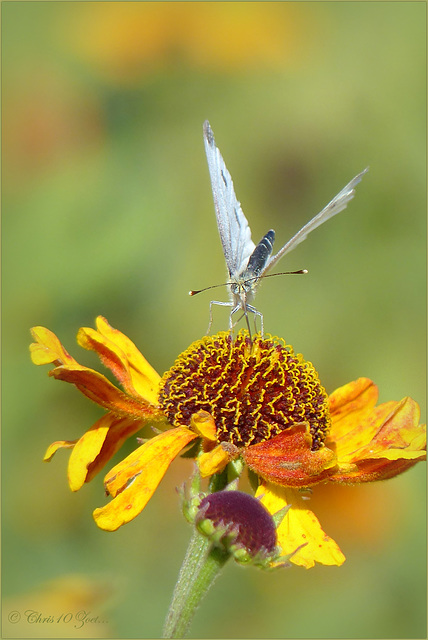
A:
[220, 304]
[232, 324]
[256, 313]
[248, 308]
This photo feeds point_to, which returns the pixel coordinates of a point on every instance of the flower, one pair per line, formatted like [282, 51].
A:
[253, 400]
[124, 43]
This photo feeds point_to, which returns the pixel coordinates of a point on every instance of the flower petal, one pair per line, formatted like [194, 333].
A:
[287, 459]
[299, 527]
[350, 405]
[96, 387]
[59, 444]
[119, 432]
[48, 349]
[397, 443]
[203, 424]
[213, 461]
[134, 480]
[400, 431]
[361, 431]
[95, 448]
[117, 352]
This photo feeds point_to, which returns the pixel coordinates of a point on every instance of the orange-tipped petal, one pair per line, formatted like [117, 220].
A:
[397, 442]
[122, 357]
[299, 527]
[134, 480]
[48, 349]
[96, 387]
[110, 355]
[372, 470]
[287, 459]
[59, 444]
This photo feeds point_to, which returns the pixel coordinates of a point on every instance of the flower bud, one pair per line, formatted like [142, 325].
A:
[240, 523]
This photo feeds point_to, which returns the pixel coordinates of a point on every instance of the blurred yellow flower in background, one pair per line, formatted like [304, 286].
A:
[126, 42]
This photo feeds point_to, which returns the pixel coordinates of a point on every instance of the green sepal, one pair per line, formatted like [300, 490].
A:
[279, 516]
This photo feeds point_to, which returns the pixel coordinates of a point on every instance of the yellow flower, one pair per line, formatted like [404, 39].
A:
[126, 42]
[254, 400]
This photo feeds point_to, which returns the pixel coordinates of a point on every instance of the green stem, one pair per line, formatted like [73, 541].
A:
[200, 567]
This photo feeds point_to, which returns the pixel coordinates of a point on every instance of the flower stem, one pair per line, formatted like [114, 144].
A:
[202, 564]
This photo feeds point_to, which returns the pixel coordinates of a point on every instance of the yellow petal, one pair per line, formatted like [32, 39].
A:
[203, 424]
[349, 407]
[116, 354]
[299, 527]
[144, 378]
[134, 480]
[397, 442]
[59, 444]
[361, 431]
[400, 430]
[109, 353]
[213, 461]
[121, 429]
[352, 397]
[95, 448]
[86, 450]
[48, 348]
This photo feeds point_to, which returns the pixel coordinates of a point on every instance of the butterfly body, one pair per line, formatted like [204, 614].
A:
[246, 262]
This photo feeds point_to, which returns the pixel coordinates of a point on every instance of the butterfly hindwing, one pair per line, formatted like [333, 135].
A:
[339, 202]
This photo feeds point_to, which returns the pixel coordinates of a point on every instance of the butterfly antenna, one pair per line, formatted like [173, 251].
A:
[283, 273]
[213, 286]
[226, 284]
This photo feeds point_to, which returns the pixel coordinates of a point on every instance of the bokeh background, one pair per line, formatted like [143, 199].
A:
[107, 209]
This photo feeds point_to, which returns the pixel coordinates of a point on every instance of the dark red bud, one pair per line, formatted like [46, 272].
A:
[240, 512]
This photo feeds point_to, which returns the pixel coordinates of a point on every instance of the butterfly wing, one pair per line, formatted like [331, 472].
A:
[235, 233]
[336, 205]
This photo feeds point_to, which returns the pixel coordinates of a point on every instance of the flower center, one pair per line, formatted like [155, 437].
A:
[253, 390]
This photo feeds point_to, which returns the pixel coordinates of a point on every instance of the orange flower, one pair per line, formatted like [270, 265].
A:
[255, 401]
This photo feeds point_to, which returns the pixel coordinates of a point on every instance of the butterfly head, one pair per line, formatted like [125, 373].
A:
[242, 289]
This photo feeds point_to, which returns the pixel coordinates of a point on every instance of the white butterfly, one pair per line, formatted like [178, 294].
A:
[246, 262]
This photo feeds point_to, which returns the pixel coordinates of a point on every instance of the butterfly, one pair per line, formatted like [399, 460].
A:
[246, 262]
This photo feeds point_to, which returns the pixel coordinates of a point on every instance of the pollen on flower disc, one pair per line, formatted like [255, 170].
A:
[243, 513]
[254, 390]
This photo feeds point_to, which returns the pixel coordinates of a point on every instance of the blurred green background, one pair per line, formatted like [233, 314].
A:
[107, 209]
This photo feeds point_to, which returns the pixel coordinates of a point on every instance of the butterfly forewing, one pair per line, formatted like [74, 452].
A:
[233, 227]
